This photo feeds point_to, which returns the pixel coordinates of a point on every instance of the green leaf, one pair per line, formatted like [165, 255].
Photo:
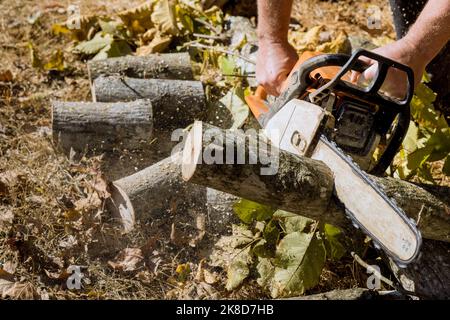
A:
[291, 222]
[227, 65]
[95, 45]
[271, 233]
[263, 249]
[117, 48]
[418, 157]
[248, 211]
[234, 102]
[298, 264]
[335, 249]
[446, 167]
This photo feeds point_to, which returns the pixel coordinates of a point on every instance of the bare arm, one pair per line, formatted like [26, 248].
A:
[276, 56]
[426, 37]
[273, 19]
[431, 31]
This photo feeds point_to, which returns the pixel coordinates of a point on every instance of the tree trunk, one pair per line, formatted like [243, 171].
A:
[102, 126]
[300, 185]
[158, 66]
[176, 103]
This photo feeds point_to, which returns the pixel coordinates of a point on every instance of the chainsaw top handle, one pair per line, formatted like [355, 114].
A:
[372, 92]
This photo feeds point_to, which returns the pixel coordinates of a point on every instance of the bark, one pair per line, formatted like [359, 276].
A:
[102, 126]
[428, 276]
[305, 192]
[158, 66]
[301, 185]
[176, 103]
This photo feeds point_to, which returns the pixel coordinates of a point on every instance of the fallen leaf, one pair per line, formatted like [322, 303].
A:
[158, 44]
[6, 76]
[163, 16]
[127, 260]
[6, 219]
[8, 180]
[16, 290]
[92, 202]
[68, 242]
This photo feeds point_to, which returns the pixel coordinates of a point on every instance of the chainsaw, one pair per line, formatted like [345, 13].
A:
[353, 128]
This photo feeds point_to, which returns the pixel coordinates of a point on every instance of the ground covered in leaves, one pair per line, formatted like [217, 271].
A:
[52, 213]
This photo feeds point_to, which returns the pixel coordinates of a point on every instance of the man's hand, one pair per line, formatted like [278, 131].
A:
[274, 63]
[395, 84]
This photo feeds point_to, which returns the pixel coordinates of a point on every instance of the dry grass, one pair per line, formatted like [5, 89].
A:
[57, 203]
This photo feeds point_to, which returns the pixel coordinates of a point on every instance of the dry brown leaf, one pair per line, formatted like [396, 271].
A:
[163, 16]
[8, 180]
[16, 290]
[92, 202]
[158, 44]
[127, 260]
[101, 186]
[149, 35]
[6, 219]
[6, 76]
[68, 242]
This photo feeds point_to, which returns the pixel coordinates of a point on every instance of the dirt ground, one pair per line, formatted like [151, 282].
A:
[54, 204]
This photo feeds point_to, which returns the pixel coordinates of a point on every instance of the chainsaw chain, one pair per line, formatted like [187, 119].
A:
[381, 191]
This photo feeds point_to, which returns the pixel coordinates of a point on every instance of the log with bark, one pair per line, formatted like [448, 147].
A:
[159, 190]
[300, 185]
[152, 192]
[159, 66]
[102, 126]
[176, 103]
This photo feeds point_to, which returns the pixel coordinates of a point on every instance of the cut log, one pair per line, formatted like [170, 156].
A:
[158, 66]
[307, 191]
[102, 126]
[176, 103]
[300, 185]
[153, 191]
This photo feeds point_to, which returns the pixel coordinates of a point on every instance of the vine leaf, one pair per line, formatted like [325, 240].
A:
[233, 253]
[299, 261]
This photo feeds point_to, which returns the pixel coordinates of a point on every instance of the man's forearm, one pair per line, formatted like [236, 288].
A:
[431, 31]
[273, 19]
